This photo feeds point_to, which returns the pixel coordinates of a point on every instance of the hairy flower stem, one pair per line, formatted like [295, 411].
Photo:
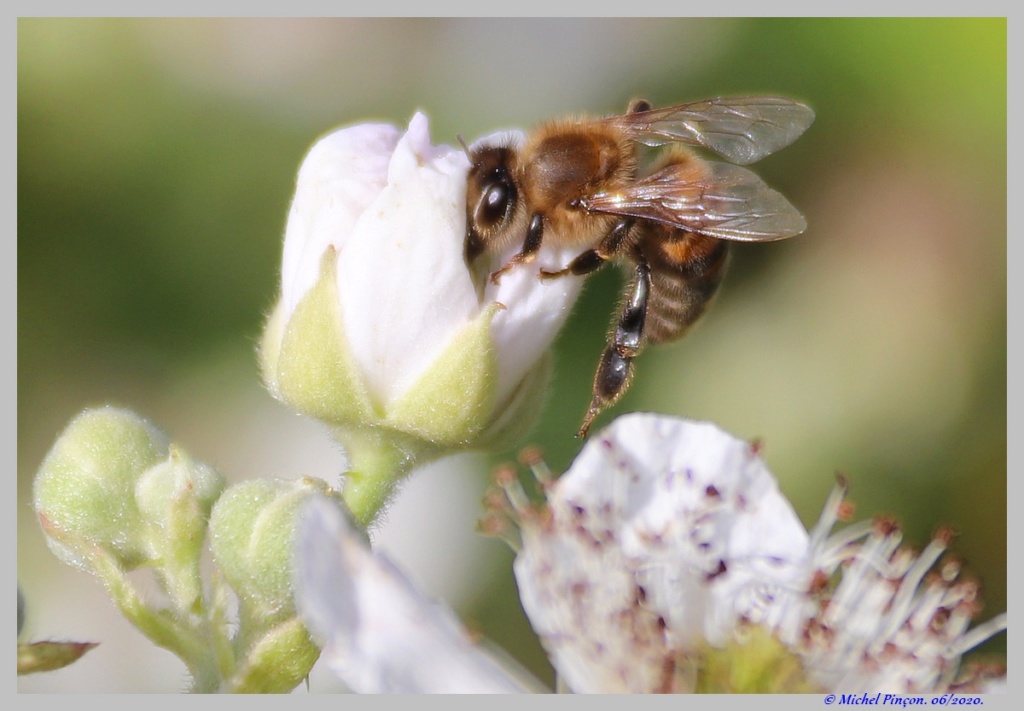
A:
[378, 459]
[191, 645]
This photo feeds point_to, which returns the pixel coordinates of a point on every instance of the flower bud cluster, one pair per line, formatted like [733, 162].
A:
[114, 494]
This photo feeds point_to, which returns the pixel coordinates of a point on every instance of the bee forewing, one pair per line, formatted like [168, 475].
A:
[727, 202]
[741, 129]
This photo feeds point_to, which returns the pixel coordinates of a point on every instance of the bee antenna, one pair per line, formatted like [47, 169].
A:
[465, 148]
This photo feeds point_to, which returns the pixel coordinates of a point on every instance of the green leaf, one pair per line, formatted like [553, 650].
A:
[47, 656]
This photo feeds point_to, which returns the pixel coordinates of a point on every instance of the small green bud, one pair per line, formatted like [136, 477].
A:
[84, 492]
[175, 497]
[253, 528]
[278, 661]
[252, 531]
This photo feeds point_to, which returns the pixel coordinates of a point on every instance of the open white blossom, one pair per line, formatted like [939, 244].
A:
[667, 539]
[664, 560]
[660, 537]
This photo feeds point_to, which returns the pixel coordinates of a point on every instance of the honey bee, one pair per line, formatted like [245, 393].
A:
[579, 182]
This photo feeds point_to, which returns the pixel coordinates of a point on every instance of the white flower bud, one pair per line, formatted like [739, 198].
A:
[381, 327]
[389, 211]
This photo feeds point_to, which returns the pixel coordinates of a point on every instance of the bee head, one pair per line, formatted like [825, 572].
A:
[491, 197]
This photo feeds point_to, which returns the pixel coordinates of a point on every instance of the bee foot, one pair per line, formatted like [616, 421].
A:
[545, 274]
[592, 412]
[496, 276]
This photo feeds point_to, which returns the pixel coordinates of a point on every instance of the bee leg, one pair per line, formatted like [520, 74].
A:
[589, 261]
[616, 369]
[528, 253]
[594, 259]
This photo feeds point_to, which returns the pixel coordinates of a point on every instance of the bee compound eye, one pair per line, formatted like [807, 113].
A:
[495, 203]
[497, 198]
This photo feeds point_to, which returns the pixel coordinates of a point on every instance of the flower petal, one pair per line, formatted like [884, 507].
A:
[379, 634]
[662, 535]
[339, 178]
[403, 285]
[535, 312]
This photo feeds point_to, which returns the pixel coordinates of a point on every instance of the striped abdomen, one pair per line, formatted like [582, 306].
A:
[686, 269]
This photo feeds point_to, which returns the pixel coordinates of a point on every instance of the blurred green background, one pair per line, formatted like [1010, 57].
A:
[156, 160]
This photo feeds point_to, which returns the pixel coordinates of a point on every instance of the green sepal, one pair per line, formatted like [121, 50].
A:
[518, 416]
[306, 361]
[278, 661]
[454, 399]
[269, 350]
